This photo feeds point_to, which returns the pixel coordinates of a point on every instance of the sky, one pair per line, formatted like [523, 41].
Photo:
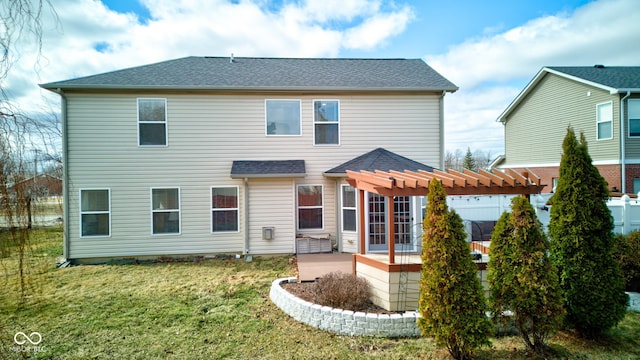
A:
[490, 49]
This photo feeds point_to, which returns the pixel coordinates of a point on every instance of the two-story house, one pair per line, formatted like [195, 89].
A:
[205, 155]
[602, 102]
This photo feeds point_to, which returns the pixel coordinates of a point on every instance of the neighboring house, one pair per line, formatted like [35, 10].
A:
[41, 186]
[204, 155]
[603, 102]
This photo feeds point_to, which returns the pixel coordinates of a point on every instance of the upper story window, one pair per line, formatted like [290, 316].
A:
[95, 212]
[165, 211]
[310, 207]
[326, 122]
[604, 116]
[224, 209]
[152, 122]
[283, 117]
[633, 111]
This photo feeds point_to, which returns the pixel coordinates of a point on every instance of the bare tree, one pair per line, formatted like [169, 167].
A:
[20, 21]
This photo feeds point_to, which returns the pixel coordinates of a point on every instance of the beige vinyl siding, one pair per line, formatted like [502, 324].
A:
[536, 128]
[206, 133]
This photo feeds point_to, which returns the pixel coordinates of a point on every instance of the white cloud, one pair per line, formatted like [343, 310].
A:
[601, 32]
[90, 38]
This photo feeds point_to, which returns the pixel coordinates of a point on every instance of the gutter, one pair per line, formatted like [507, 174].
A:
[246, 216]
[623, 172]
[65, 174]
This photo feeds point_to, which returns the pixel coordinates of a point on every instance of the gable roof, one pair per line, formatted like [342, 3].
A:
[379, 159]
[267, 169]
[268, 74]
[614, 79]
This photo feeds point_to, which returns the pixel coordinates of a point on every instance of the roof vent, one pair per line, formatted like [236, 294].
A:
[598, 66]
[231, 58]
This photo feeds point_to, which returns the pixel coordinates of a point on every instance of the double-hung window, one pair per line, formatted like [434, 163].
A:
[633, 111]
[165, 211]
[349, 219]
[152, 122]
[326, 122]
[95, 212]
[310, 207]
[604, 115]
[224, 209]
[283, 117]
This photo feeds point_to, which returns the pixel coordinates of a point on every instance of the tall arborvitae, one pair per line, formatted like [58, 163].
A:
[521, 276]
[581, 231]
[452, 302]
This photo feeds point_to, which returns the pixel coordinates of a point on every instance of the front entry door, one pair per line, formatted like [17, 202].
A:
[377, 220]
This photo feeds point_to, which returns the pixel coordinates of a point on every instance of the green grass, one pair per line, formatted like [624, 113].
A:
[207, 310]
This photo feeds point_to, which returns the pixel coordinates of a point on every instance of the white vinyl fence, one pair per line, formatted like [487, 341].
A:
[477, 208]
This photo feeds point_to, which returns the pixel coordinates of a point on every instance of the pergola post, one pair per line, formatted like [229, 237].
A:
[361, 225]
[391, 234]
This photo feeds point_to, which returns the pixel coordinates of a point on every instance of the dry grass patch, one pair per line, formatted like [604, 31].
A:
[210, 310]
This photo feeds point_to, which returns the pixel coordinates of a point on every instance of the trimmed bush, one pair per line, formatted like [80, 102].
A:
[452, 302]
[340, 290]
[582, 240]
[521, 276]
[627, 252]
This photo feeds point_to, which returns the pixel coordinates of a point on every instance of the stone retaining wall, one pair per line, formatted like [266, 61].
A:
[343, 322]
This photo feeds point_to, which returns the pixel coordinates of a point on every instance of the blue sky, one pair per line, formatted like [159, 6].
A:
[490, 49]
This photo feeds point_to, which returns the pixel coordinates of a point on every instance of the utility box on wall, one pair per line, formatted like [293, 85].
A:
[268, 232]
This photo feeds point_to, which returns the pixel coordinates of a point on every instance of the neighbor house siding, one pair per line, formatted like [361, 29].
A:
[206, 133]
[535, 130]
[632, 144]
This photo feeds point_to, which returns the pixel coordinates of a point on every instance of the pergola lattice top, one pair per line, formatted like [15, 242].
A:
[416, 183]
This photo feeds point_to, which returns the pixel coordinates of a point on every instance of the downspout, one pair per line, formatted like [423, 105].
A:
[442, 131]
[65, 175]
[623, 172]
[246, 216]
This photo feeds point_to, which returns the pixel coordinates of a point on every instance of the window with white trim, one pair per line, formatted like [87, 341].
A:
[152, 122]
[310, 207]
[165, 211]
[349, 218]
[95, 212]
[604, 116]
[282, 117]
[326, 122]
[224, 209]
[633, 113]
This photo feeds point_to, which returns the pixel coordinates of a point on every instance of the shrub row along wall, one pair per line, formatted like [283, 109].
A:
[343, 322]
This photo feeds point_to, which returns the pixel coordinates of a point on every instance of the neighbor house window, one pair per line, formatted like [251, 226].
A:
[165, 210]
[604, 113]
[152, 122]
[224, 209]
[349, 219]
[95, 212]
[636, 185]
[283, 117]
[326, 122]
[633, 112]
[310, 207]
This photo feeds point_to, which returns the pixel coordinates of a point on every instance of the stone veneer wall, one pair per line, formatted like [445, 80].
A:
[343, 322]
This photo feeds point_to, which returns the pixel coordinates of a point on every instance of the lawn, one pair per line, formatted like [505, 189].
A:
[205, 310]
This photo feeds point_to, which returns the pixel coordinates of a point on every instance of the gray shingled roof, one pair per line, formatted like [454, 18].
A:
[267, 169]
[378, 159]
[219, 73]
[617, 77]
